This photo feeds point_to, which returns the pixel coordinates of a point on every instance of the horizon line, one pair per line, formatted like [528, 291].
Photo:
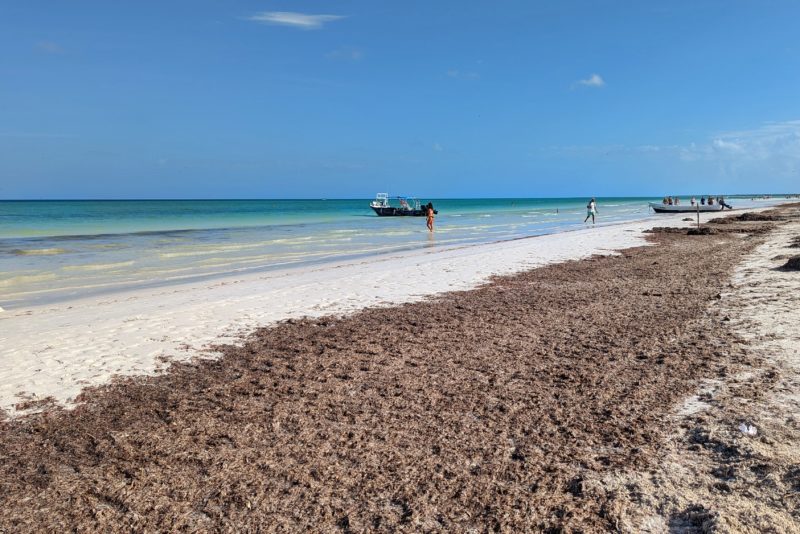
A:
[222, 199]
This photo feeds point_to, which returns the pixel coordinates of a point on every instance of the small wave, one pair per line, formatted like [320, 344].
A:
[285, 241]
[39, 252]
[232, 260]
[97, 266]
[26, 279]
[107, 246]
[161, 270]
[395, 233]
[197, 252]
[206, 250]
[81, 287]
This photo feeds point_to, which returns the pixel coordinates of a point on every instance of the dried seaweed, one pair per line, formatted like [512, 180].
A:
[749, 216]
[703, 230]
[792, 264]
[478, 410]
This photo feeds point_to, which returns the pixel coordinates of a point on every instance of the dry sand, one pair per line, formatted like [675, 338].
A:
[524, 405]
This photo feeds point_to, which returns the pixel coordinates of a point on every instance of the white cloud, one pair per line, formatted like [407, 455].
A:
[767, 152]
[768, 130]
[349, 53]
[462, 75]
[302, 21]
[594, 151]
[774, 142]
[595, 80]
[650, 148]
[723, 145]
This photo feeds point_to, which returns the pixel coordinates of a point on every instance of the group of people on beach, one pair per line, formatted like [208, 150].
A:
[704, 201]
[720, 201]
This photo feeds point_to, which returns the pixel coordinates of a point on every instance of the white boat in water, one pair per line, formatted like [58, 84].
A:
[686, 208]
[409, 207]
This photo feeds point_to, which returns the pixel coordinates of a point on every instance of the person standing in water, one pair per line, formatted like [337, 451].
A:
[429, 216]
[591, 209]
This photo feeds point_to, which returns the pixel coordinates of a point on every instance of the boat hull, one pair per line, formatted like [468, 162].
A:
[661, 208]
[388, 211]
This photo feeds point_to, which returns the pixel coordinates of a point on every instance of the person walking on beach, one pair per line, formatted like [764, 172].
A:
[591, 209]
[429, 216]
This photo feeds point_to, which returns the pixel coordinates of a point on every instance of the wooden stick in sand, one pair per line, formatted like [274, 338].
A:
[697, 208]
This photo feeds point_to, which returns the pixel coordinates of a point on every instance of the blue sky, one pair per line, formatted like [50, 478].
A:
[213, 98]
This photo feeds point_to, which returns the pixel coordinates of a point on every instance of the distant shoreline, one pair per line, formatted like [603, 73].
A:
[777, 196]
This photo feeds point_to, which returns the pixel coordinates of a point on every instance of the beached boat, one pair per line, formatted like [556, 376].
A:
[685, 208]
[408, 207]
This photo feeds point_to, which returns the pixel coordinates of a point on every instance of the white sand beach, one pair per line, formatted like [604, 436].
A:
[57, 350]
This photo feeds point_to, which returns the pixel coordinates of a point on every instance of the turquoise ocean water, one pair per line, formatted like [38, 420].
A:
[58, 250]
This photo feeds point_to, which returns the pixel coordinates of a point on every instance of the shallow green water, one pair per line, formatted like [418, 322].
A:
[53, 250]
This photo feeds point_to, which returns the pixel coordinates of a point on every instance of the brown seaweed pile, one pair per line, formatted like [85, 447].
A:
[792, 264]
[749, 216]
[703, 230]
[719, 226]
[485, 409]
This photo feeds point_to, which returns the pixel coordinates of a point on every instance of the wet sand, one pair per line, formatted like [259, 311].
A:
[506, 408]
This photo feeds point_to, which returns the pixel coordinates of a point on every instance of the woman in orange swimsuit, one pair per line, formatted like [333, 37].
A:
[429, 215]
